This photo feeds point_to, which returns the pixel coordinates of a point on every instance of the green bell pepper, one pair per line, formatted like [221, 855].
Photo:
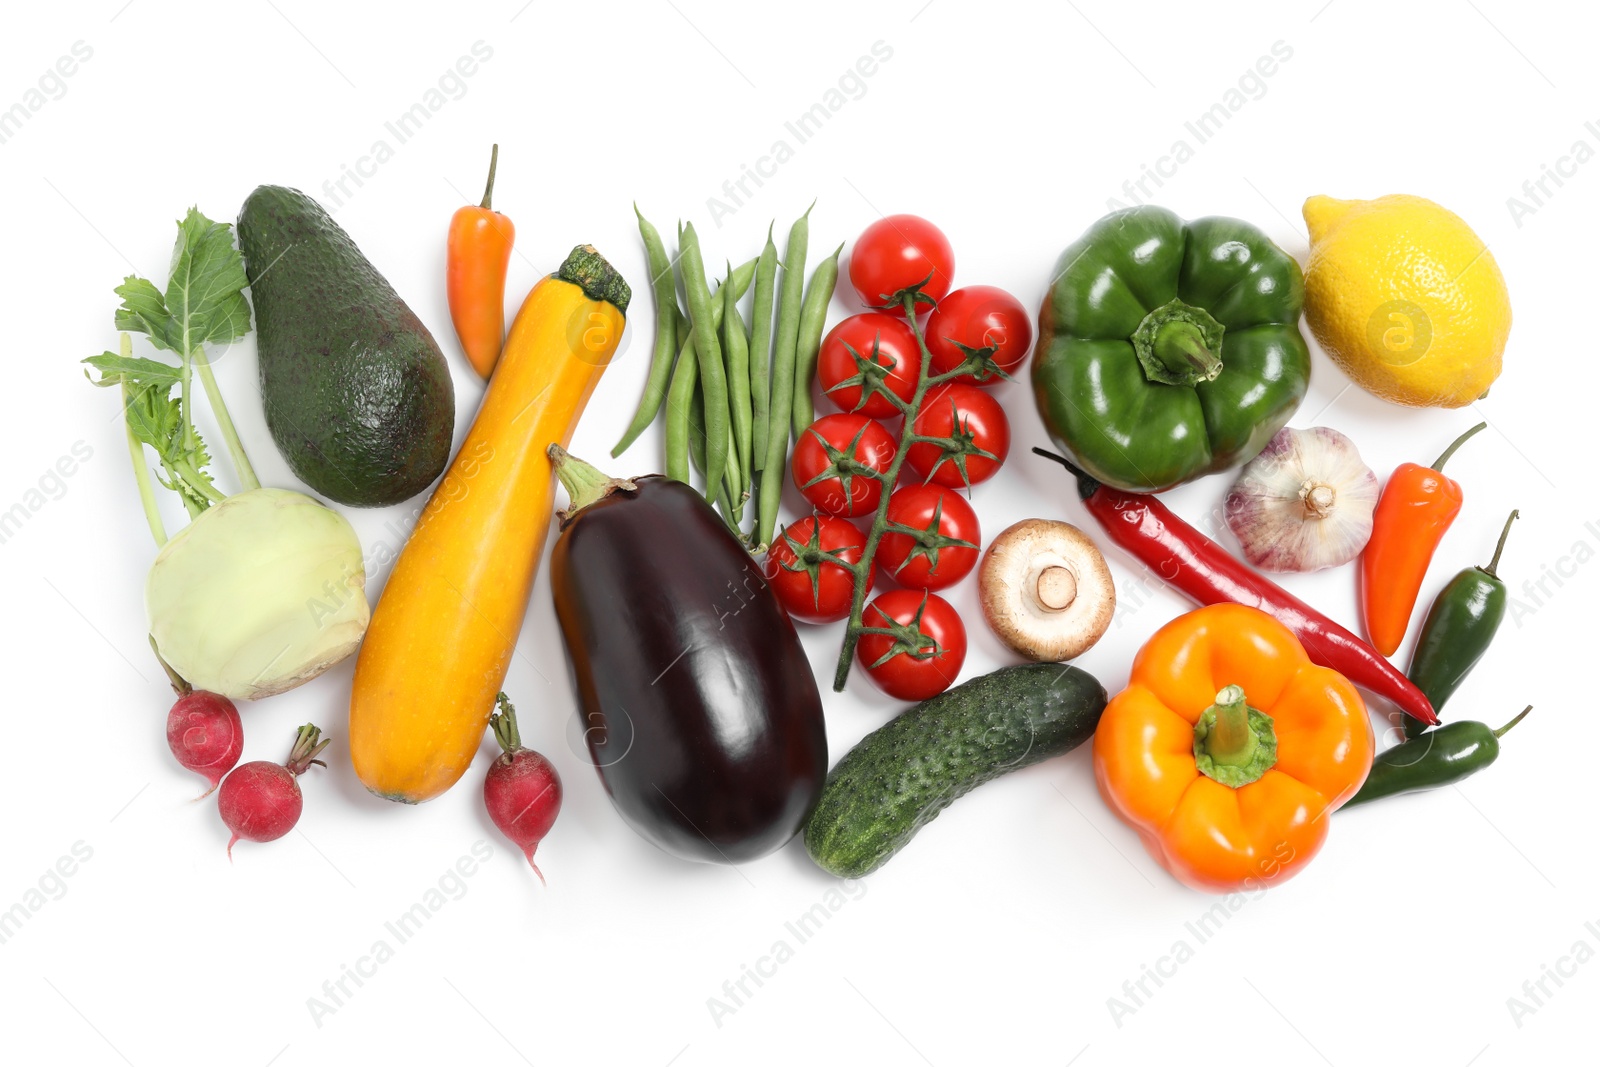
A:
[1169, 350]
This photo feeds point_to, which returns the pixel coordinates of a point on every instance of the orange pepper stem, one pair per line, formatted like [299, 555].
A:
[1438, 464]
[1231, 742]
[1234, 744]
[488, 189]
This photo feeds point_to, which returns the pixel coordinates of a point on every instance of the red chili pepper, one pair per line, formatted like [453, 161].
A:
[479, 249]
[1416, 508]
[1202, 570]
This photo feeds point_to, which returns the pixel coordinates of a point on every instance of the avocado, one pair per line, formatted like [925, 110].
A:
[357, 394]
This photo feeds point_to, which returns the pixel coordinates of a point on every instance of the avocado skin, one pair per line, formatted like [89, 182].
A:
[357, 394]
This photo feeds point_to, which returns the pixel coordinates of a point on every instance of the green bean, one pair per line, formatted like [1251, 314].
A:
[741, 276]
[734, 492]
[713, 379]
[680, 397]
[666, 294]
[685, 390]
[813, 317]
[761, 349]
[736, 350]
[782, 377]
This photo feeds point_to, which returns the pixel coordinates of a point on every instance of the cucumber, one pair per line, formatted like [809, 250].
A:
[901, 776]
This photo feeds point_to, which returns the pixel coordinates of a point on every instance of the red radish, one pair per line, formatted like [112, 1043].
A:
[522, 790]
[205, 735]
[261, 801]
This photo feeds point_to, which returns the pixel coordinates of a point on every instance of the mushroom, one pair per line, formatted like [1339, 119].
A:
[1046, 590]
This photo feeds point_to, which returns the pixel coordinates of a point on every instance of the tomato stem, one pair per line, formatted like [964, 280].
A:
[861, 570]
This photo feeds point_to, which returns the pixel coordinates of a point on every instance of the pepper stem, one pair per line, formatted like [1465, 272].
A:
[1234, 744]
[1231, 742]
[488, 189]
[585, 484]
[1523, 714]
[1181, 348]
[1500, 547]
[1177, 344]
[1438, 464]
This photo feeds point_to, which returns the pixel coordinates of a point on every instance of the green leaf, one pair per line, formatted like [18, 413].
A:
[205, 291]
[144, 310]
[139, 371]
[156, 419]
[204, 302]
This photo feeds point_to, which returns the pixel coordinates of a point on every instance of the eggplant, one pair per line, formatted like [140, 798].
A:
[696, 699]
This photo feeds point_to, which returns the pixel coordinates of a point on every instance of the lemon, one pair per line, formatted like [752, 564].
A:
[1406, 299]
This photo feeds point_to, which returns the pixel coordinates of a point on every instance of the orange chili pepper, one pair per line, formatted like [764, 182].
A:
[1229, 749]
[475, 276]
[1417, 507]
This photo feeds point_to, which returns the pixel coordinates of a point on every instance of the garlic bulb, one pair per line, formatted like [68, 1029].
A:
[1304, 503]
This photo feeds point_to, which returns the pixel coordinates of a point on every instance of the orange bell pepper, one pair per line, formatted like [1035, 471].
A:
[478, 251]
[1229, 749]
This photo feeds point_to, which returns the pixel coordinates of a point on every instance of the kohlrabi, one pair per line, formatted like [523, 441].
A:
[263, 590]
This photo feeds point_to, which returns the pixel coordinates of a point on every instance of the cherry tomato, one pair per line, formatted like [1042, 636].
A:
[896, 253]
[972, 418]
[929, 627]
[979, 317]
[929, 560]
[896, 352]
[832, 459]
[806, 567]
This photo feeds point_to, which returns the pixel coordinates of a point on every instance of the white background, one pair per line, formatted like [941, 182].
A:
[1000, 933]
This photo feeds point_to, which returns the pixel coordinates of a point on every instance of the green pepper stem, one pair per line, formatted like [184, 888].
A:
[1438, 464]
[1232, 742]
[1181, 348]
[1500, 546]
[1523, 714]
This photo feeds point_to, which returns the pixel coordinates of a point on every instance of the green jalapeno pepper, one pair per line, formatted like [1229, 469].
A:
[1457, 632]
[1442, 756]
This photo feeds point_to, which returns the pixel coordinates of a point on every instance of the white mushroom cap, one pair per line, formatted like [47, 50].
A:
[1046, 590]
